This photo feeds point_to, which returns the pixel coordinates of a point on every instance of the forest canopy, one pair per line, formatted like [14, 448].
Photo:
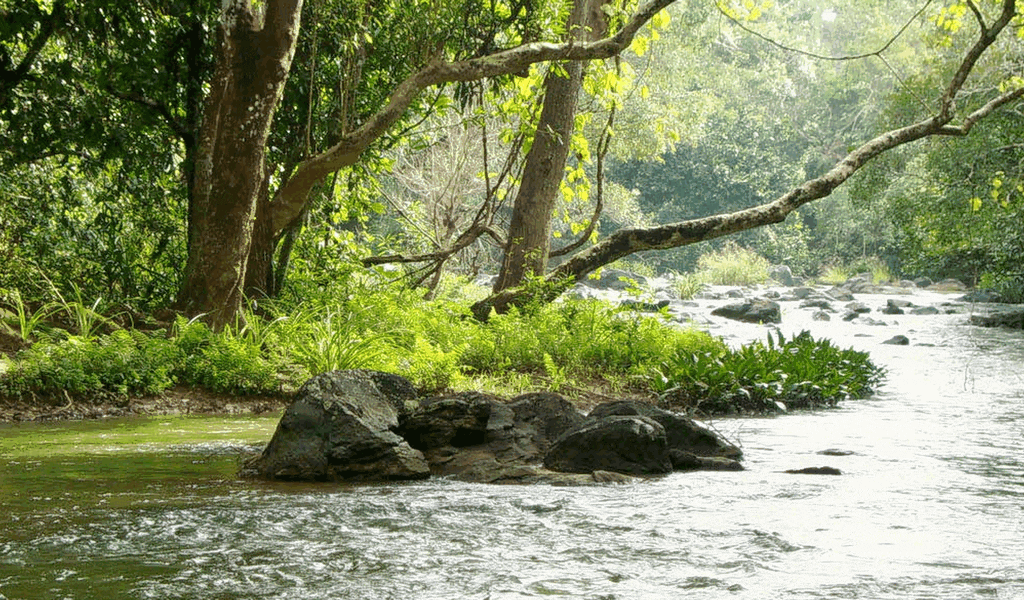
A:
[192, 154]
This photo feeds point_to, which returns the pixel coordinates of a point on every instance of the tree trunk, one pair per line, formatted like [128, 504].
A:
[252, 67]
[529, 234]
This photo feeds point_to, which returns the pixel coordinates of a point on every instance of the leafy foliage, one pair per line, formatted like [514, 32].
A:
[120, 364]
[765, 377]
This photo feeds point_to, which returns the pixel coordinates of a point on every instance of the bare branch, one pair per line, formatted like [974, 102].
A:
[978, 16]
[468, 237]
[782, 46]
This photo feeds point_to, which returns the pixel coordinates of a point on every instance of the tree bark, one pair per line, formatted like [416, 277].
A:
[529, 233]
[252, 68]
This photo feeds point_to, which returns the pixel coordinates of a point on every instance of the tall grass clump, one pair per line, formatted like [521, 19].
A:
[732, 265]
[800, 372]
[872, 266]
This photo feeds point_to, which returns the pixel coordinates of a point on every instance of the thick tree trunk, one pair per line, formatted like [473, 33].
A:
[252, 68]
[529, 233]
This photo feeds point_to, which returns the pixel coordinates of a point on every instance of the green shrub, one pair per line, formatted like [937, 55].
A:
[835, 275]
[229, 362]
[760, 378]
[874, 266]
[123, 363]
[579, 338]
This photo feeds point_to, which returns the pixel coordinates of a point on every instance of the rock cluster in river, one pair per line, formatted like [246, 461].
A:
[367, 425]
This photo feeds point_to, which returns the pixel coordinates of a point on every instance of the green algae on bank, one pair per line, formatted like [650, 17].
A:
[132, 434]
[55, 469]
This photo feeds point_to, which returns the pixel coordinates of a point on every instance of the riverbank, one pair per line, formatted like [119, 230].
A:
[179, 400]
[599, 345]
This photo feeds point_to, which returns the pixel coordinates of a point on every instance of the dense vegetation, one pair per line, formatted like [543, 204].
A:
[576, 347]
[111, 213]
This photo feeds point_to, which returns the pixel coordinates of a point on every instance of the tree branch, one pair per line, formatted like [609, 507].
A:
[468, 237]
[293, 194]
[10, 79]
[628, 241]
[782, 46]
[159, 108]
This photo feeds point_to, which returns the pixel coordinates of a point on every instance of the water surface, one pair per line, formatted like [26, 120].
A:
[930, 505]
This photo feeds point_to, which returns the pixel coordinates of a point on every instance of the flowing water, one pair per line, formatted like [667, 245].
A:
[930, 505]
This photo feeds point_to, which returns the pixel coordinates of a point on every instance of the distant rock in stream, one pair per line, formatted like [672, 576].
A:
[815, 471]
[751, 311]
[898, 340]
[1012, 318]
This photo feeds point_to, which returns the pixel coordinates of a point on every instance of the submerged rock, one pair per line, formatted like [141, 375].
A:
[898, 340]
[685, 461]
[815, 471]
[835, 452]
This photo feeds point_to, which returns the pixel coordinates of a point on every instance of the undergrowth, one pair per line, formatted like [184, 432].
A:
[765, 377]
[439, 346]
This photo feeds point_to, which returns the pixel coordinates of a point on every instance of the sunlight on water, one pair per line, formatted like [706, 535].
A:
[930, 505]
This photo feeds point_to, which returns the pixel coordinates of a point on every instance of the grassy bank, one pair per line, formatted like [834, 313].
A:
[577, 347]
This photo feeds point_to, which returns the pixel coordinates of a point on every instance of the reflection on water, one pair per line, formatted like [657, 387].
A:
[929, 506]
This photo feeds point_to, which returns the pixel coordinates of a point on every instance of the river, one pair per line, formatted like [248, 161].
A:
[930, 504]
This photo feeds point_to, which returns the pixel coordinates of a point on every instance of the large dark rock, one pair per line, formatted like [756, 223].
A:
[633, 444]
[340, 427]
[458, 420]
[477, 437]
[540, 419]
[751, 311]
[681, 432]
